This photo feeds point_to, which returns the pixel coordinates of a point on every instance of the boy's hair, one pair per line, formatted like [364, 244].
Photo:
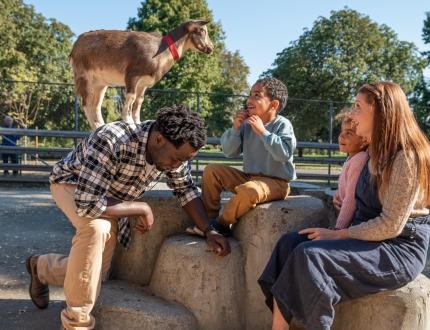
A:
[345, 115]
[276, 90]
[178, 124]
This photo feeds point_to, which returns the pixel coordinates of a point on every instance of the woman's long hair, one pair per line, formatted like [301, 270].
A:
[395, 128]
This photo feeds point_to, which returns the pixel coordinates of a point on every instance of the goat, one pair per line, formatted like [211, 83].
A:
[136, 60]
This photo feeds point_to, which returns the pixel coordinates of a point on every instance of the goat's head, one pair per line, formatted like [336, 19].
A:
[198, 36]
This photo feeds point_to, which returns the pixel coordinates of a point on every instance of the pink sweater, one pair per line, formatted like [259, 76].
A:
[346, 188]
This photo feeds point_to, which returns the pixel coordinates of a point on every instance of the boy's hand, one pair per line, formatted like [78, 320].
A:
[239, 118]
[256, 124]
[218, 243]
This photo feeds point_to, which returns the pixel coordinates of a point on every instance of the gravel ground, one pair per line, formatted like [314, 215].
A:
[31, 223]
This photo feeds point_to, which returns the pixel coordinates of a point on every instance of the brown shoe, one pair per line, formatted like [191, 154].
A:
[39, 292]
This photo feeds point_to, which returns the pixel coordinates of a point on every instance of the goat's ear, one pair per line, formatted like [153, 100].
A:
[194, 24]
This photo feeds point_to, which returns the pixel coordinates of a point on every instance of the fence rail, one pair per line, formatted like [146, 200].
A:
[38, 154]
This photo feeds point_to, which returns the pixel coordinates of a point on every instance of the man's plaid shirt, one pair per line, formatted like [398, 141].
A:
[111, 162]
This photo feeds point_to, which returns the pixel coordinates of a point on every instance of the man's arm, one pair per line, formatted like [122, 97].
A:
[196, 211]
[116, 209]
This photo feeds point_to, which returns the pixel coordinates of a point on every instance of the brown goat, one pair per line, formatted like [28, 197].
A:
[136, 60]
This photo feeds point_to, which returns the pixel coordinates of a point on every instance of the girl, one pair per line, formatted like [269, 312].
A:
[354, 146]
[385, 247]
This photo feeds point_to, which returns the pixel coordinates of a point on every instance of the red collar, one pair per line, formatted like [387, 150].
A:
[173, 50]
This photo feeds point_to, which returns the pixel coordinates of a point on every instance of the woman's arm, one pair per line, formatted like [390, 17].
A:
[397, 204]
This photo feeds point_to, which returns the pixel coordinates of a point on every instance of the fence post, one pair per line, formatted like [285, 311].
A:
[75, 108]
[197, 161]
[330, 137]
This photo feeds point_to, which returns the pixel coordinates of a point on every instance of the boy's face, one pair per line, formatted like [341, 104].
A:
[349, 141]
[259, 102]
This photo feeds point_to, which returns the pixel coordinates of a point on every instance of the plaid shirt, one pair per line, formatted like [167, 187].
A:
[111, 162]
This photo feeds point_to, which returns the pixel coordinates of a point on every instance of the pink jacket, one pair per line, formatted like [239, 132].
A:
[346, 188]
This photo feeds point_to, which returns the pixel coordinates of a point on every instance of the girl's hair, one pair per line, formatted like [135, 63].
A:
[395, 129]
[345, 115]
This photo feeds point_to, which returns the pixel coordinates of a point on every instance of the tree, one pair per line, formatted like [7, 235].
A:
[32, 49]
[420, 99]
[222, 71]
[426, 33]
[335, 57]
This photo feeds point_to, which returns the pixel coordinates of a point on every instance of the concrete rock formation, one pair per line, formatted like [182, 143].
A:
[126, 306]
[198, 290]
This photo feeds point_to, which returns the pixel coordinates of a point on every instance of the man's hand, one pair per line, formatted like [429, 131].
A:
[145, 220]
[256, 124]
[316, 234]
[218, 243]
[239, 118]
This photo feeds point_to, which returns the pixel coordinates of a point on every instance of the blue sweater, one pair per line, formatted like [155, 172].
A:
[270, 154]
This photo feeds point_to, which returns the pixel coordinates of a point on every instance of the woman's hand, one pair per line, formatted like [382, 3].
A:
[145, 220]
[337, 202]
[316, 234]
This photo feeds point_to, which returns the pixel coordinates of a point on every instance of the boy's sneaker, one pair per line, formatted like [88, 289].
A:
[221, 229]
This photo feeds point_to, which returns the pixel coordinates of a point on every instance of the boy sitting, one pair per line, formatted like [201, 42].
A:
[267, 143]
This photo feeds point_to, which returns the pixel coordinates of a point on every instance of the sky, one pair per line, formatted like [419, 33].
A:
[257, 29]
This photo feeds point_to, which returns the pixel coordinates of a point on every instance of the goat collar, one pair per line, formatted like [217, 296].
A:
[172, 47]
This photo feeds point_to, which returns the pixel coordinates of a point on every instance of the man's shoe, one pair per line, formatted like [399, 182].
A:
[39, 292]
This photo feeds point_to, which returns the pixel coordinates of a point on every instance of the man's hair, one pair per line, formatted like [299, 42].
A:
[178, 124]
[345, 115]
[276, 90]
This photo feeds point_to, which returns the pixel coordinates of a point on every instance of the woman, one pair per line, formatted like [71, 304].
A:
[386, 244]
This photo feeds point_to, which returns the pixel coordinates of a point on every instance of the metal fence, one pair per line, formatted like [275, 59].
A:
[36, 162]
[48, 105]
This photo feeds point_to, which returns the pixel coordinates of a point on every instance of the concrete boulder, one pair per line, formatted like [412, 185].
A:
[257, 232]
[406, 308]
[211, 287]
[136, 264]
[125, 306]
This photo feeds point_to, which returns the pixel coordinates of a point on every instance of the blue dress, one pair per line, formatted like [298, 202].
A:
[307, 278]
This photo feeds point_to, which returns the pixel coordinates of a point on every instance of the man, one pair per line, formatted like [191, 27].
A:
[9, 141]
[102, 181]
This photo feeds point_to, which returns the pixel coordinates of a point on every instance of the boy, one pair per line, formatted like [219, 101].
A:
[267, 143]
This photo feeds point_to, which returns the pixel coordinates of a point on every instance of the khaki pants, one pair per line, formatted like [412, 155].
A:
[88, 262]
[249, 191]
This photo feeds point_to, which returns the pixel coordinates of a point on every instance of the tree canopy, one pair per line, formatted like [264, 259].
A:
[332, 59]
[32, 48]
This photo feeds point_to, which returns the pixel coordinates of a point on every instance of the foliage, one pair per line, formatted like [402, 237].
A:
[335, 57]
[32, 49]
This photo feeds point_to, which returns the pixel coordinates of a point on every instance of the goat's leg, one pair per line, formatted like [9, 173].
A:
[82, 89]
[99, 93]
[93, 105]
[138, 103]
[130, 97]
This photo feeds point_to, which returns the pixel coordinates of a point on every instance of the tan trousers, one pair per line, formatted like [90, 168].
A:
[88, 262]
[249, 191]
